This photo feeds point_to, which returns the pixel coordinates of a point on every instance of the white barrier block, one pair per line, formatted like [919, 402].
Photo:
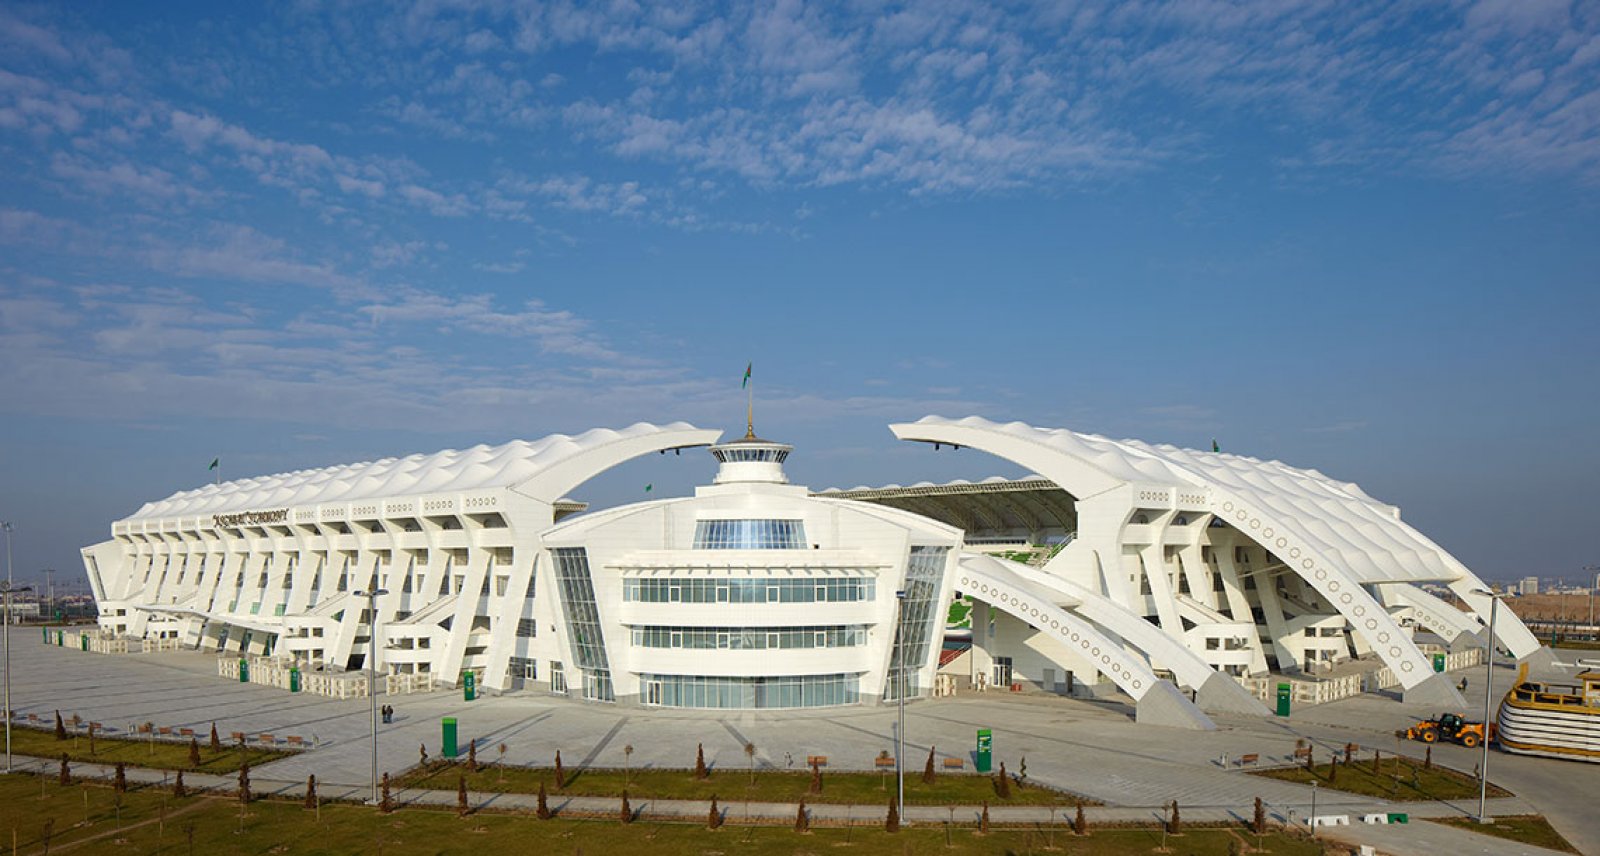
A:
[1330, 820]
[1375, 818]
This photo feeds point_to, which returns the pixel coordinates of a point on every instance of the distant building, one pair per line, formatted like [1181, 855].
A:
[1529, 585]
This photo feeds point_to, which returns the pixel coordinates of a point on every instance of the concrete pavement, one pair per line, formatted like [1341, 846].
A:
[1089, 748]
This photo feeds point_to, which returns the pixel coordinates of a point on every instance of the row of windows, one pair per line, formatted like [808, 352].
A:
[741, 456]
[821, 590]
[702, 691]
[750, 638]
[749, 535]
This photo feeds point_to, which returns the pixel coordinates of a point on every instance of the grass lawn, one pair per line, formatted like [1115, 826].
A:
[136, 753]
[279, 827]
[734, 785]
[1528, 829]
[1398, 778]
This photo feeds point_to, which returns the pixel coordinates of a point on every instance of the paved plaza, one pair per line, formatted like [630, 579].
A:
[1089, 748]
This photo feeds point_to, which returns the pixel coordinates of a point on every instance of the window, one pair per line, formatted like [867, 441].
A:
[914, 630]
[527, 628]
[749, 535]
[526, 668]
[777, 691]
[750, 638]
[745, 590]
[500, 584]
[583, 621]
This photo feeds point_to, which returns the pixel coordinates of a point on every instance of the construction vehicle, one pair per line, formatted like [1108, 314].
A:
[1452, 727]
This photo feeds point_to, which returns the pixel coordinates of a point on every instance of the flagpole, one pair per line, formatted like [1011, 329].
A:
[750, 404]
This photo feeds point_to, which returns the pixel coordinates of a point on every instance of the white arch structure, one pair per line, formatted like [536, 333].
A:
[269, 564]
[1329, 534]
[1102, 630]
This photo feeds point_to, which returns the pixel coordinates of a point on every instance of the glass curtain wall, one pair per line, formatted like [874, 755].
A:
[749, 535]
[750, 638]
[583, 621]
[707, 590]
[915, 629]
[778, 691]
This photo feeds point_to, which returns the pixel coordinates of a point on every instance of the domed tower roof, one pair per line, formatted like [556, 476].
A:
[751, 459]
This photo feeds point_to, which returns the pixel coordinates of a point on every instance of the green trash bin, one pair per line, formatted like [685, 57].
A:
[1438, 662]
[83, 641]
[46, 635]
[294, 680]
[469, 685]
[61, 638]
[984, 757]
[447, 738]
[1285, 698]
[244, 671]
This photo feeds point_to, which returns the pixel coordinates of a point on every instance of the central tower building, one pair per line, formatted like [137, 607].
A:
[752, 594]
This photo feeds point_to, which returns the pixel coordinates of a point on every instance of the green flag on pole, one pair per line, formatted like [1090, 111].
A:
[1214, 446]
[647, 487]
[214, 463]
[746, 382]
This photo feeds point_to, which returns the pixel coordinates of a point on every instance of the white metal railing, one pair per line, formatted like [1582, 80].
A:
[1324, 690]
[405, 683]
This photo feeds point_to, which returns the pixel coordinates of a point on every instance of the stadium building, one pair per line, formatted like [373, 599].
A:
[1170, 576]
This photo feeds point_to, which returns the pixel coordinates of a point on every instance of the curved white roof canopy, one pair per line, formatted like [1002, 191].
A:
[544, 469]
[1329, 533]
[1337, 518]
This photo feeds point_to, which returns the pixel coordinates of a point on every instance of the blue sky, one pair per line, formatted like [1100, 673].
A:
[1357, 236]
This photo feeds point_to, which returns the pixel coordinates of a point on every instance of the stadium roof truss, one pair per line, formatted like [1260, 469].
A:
[1352, 550]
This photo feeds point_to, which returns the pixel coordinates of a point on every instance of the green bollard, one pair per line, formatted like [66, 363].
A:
[448, 738]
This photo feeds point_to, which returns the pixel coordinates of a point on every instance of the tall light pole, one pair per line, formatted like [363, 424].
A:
[1488, 697]
[7, 592]
[6, 525]
[900, 697]
[50, 594]
[372, 678]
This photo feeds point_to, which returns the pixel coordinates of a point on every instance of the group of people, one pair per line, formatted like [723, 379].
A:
[388, 713]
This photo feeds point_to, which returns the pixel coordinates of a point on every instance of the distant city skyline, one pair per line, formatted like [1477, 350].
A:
[1357, 237]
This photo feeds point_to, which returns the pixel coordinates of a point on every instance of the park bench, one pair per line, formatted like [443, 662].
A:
[816, 760]
[954, 763]
[294, 740]
[186, 732]
[165, 731]
[268, 739]
[1252, 758]
[238, 737]
[1302, 753]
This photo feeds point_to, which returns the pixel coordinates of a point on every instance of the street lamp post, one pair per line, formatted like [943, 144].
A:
[372, 678]
[7, 591]
[1488, 698]
[6, 525]
[900, 696]
[50, 594]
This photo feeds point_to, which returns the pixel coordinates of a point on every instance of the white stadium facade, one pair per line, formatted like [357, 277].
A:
[1172, 577]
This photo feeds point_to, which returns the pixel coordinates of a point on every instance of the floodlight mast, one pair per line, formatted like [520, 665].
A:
[372, 678]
